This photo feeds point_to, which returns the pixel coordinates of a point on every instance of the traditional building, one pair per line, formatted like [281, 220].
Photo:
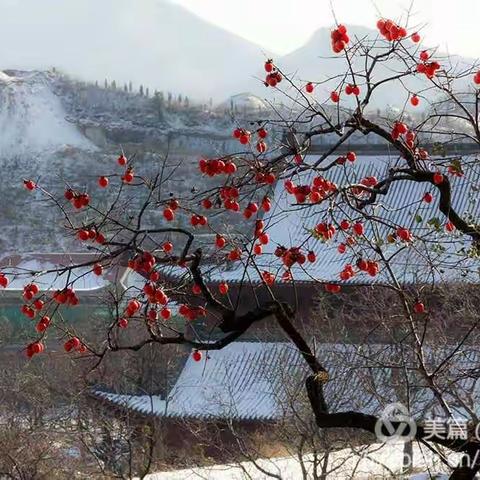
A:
[441, 257]
[255, 382]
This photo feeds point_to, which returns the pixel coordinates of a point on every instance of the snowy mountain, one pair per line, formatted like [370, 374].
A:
[32, 118]
[315, 61]
[152, 42]
[159, 45]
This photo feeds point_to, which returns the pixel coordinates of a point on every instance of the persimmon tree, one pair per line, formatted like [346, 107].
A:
[350, 215]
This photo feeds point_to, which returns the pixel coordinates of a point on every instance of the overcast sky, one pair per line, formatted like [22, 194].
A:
[159, 44]
[283, 25]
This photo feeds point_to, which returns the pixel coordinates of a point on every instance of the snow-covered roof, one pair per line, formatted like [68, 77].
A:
[399, 207]
[132, 280]
[242, 381]
[265, 381]
[47, 277]
[289, 225]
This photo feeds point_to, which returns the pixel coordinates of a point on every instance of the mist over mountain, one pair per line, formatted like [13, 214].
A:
[149, 42]
[315, 61]
[163, 46]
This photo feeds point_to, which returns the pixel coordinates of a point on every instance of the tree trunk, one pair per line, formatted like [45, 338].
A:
[463, 473]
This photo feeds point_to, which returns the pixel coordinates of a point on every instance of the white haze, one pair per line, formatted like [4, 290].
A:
[149, 42]
[285, 25]
[164, 46]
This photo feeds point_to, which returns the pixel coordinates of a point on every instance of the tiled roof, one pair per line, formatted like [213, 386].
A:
[288, 225]
[263, 381]
[48, 272]
[241, 381]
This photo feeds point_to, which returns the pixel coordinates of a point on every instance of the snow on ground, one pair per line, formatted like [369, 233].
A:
[426, 476]
[367, 462]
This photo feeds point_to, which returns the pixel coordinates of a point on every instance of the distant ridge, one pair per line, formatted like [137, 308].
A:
[162, 46]
[315, 61]
[157, 44]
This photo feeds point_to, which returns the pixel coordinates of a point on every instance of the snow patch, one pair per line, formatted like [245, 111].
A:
[364, 462]
[32, 119]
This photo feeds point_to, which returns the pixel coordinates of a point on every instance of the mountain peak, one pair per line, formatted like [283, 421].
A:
[160, 45]
[315, 61]
[320, 39]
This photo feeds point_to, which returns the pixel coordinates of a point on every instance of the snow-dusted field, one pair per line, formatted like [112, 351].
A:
[372, 462]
